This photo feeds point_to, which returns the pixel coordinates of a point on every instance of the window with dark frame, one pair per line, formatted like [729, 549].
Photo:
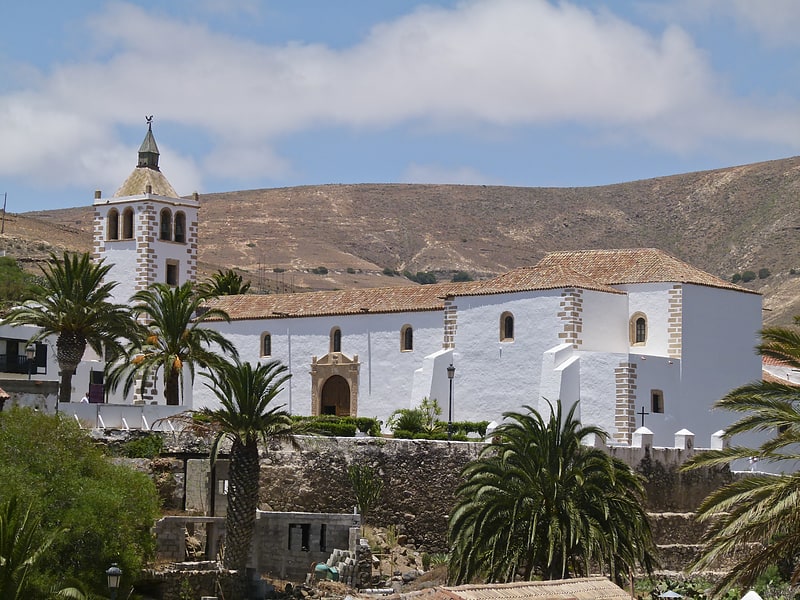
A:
[656, 401]
[408, 339]
[165, 230]
[266, 344]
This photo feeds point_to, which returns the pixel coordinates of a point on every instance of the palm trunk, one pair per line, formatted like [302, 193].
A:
[240, 520]
[69, 352]
[172, 389]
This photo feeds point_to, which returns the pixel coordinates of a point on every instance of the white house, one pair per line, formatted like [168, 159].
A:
[636, 335]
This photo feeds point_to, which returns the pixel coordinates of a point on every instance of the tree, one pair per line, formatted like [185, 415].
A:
[22, 545]
[224, 283]
[536, 503]
[74, 304]
[245, 417]
[15, 284]
[171, 338]
[90, 512]
[757, 516]
[367, 486]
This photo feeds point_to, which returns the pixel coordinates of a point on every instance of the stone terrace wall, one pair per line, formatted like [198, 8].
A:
[420, 479]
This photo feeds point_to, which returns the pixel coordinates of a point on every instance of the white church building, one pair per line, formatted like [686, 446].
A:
[636, 335]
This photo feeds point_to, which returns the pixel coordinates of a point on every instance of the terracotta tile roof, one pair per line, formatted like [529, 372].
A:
[546, 277]
[399, 299]
[339, 302]
[635, 265]
[586, 588]
[589, 270]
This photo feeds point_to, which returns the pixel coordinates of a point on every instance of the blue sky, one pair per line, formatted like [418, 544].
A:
[253, 94]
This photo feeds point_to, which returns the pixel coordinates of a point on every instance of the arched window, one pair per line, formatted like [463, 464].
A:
[638, 329]
[506, 327]
[336, 340]
[165, 230]
[113, 224]
[406, 338]
[180, 227]
[127, 224]
[266, 344]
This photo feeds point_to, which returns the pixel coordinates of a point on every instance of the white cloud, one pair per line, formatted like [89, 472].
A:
[499, 63]
[776, 22]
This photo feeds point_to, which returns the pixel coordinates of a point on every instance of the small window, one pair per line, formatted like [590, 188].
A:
[266, 344]
[407, 338]
[127, 224]
[506, 327]
[323, 534]
[165, 231]
[172, 272]
[299, 536]
[656, 401]
[222, 487]
[638, 329]
[113, 224]
[336, 340]
[180, 227]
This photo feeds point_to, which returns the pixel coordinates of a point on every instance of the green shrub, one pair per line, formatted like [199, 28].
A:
[459, 276]
[467, 427]
[278, 270]
[340, 426]
[737, 277]
[763, 273]
[149, 446]
[319, 271]
[390, 272]
[351, 270]
[748, 276]
[407, 419]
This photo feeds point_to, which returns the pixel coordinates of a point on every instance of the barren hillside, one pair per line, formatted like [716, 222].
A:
[724, 221]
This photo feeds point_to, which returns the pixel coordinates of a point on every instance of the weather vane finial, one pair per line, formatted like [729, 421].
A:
[149, 121]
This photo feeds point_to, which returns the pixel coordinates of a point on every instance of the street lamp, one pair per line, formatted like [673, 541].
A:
[30, 354]
[114, 574]
[451, 373]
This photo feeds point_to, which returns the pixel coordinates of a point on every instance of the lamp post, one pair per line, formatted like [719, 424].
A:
[451, 373]
[114, 574]
[30, 354]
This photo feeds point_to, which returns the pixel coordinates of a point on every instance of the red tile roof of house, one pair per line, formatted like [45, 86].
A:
[585, 588]
[635, 265]
[594, 270]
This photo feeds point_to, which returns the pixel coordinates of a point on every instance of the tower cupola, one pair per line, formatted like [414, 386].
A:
[148, 151]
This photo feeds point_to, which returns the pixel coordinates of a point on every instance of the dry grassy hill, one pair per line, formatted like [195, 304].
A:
[724, 221]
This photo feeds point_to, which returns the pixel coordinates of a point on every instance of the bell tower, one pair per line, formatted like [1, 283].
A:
[145, 230]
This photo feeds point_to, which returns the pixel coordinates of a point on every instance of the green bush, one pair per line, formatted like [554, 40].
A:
[340, 426]
[407, 419]
[351, 270]
[748, 276]
[737, 277]
[103, 512]
[149, 446]
[278, 270]
[763, 273]
[460, 276]
[467, 427]
[390, 272]
[319, 271]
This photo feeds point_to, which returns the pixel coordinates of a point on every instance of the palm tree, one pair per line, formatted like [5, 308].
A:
[755, 519]
[224, 283]
[536, 503]
[170, 338]
[245, 417]
[74, 304]
[22, 544]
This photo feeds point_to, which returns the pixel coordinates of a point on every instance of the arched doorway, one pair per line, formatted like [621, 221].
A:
[334, 385]
[335, 397]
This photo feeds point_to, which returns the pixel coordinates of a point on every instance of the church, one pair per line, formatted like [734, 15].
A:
[639, 337]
